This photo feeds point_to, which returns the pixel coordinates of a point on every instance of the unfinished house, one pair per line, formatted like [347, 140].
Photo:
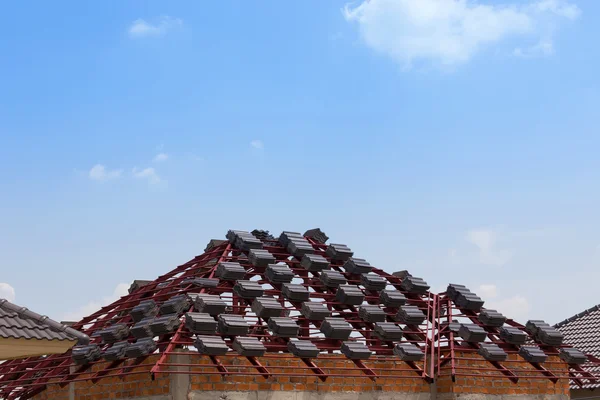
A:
[295, 317]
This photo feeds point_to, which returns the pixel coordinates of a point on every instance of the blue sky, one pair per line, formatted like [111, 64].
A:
[454, 139]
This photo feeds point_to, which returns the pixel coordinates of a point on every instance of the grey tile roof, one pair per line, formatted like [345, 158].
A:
[20, 323]
[582, 331]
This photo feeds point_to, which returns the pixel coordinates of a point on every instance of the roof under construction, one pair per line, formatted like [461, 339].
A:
[258, 296]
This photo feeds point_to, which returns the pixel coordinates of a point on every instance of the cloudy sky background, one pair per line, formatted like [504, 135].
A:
[455, 139]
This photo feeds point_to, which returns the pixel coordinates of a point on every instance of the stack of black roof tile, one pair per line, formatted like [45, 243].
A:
[267, 307]
[286, 236]
[209, 304]
[336, 328]
[413, 284]
[142, 347]
[230, 271]
[532, 354]
[533, 325]
[213, 243]
[115, 352]
[164, 324]
[244, 240]
[249, 346]
[314, 311]
[279, 273]
[492, 352]
[350, 295]
[202, 323]
[248, 289]
[408, 352]
[355, 350]
[392, 298]
[410, 315]
[145, 309]
[114, 333]
[210, 345]
[260, 258]
[357, 266]
[549, 336]
[513, 335]
[331, 278]
[299, 247]
[464, 298]
[401, 274]
[303, 348]
[571, 355]
[295, 292]
[233, 325]
[469, 301]
[201, 283]
[262, 235]
[454, 289]
[283, 327]
[371, 313]
[339, 252]
[232, 234]
[314, 262]
[85, 354]
[472, 333]
[316, 234]
[388, 331]
[137, 285]
[491, 318]
[175, 305]
[142, 328]
[373, 282]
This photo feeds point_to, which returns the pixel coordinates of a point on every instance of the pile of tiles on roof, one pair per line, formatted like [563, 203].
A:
[389, 306]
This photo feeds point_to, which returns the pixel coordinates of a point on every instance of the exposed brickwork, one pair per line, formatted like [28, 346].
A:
[486, 384]
[130, 386]
[353, 381]
[203, 378]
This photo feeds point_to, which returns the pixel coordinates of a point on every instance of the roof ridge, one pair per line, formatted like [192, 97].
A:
[24, 312]
[577, 316]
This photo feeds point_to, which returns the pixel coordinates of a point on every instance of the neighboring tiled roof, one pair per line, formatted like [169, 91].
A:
[582, 331]
[20, 323]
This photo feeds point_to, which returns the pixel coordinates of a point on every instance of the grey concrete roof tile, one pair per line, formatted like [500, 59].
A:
[20, 323]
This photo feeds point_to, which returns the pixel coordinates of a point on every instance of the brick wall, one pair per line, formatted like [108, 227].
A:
[131, 386]
[354, 381]
[203, 383]
[494, 385]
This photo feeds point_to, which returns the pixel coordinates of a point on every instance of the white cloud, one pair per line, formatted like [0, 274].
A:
[257, 144]
[489, 253]
[141, 28]
[451, 32]
[160, 157]
[149, 174]
[515, 307]
[95, 305]
[7, 292]
[100, 173]
[487, 291]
